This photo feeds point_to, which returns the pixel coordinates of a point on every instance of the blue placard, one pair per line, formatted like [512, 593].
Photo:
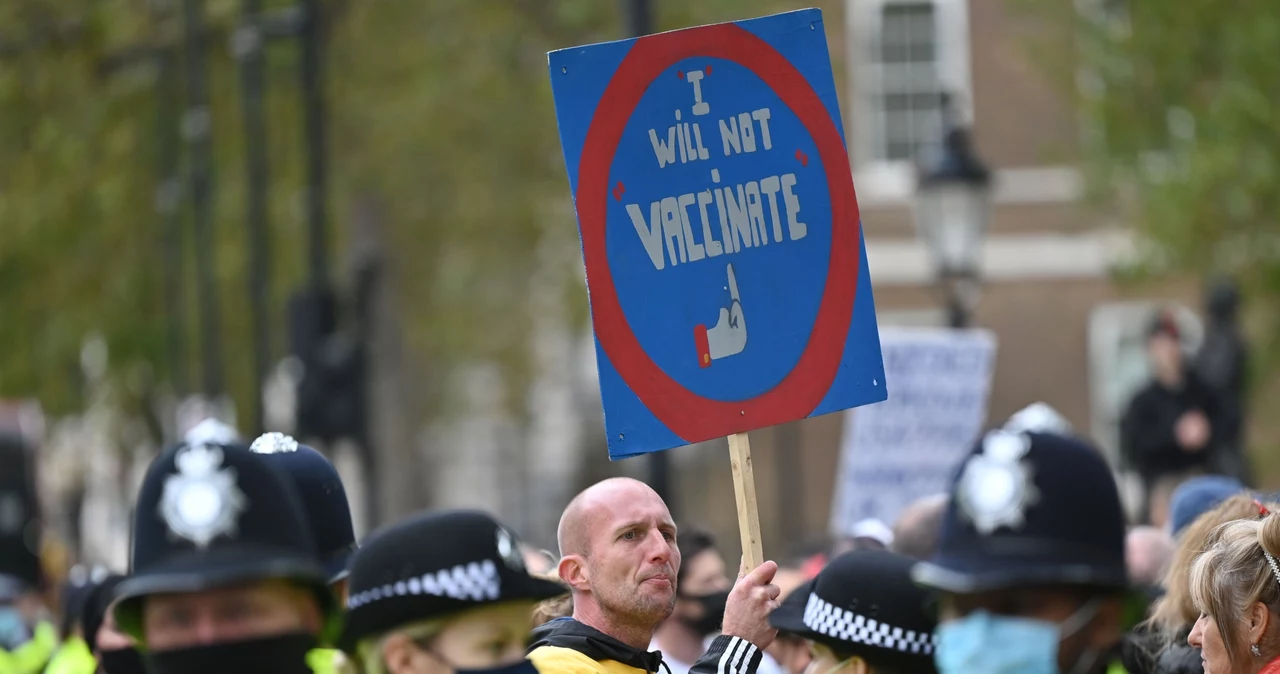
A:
[720, 230]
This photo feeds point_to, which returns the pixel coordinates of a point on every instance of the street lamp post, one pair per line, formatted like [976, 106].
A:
[952, 206]
[638, 18]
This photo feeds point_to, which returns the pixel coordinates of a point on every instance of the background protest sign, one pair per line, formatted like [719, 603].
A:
[725, 264]
[910, 445]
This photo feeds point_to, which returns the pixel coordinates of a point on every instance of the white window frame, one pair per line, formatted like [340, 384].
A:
[879, 179]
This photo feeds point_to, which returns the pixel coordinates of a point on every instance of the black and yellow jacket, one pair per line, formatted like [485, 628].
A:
[566, 646]
[31, 657]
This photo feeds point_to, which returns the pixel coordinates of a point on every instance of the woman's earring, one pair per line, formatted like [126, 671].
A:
[1254, 649]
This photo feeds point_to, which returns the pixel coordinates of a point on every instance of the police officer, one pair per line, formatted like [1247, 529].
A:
[442, 593]
[226, 578]
[27, 635]
[863, 614]
[74, 656]
[114, 652]
[328, 512]
[1030, 564]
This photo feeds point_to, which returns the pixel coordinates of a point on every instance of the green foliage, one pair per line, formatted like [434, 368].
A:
[1183, 129]
[440, 116]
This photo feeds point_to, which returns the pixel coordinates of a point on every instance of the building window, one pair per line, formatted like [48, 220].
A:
[907, 93]
[904, 55]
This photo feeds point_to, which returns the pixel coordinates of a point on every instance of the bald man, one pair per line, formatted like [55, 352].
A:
[619, 557]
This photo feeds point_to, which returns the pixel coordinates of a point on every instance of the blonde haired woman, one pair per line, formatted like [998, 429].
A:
[1159, 645]
[1235, 585]
[1175, 612]
[442, 593]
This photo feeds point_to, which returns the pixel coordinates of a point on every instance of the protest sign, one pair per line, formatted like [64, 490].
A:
[725, 265]
[910, 445]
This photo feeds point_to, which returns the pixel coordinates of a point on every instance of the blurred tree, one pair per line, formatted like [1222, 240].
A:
[1181, 137]
[442, 124]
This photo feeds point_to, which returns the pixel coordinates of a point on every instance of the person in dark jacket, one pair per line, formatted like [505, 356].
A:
[620, 557]
[1222, 364]
[1168, 429]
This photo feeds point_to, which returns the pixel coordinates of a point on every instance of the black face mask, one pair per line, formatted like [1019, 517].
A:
[122, 661]
[713, 605]
[284, 654]
[522, 667]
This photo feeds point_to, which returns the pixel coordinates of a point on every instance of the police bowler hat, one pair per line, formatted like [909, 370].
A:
[434, 565]
[864, 603]
[209, 516]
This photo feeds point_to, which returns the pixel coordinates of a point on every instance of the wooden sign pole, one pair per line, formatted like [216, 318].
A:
[744, 488]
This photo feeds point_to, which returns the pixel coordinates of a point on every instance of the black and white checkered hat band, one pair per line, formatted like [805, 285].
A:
[838, 623]
[476, 581]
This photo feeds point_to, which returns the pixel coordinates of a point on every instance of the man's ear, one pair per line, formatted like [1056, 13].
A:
[397, 654]
[573, 571]
[1259, 621]
[309, 614]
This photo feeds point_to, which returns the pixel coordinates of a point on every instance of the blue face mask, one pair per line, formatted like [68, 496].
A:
[984, 643]
[13, 629]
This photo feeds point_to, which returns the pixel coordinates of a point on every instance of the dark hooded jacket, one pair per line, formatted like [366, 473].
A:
[1146, 651]
[566, 645]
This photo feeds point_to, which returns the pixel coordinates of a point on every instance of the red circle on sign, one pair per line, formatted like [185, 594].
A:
[693, 417]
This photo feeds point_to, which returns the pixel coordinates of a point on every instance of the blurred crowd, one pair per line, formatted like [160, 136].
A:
[244, 560]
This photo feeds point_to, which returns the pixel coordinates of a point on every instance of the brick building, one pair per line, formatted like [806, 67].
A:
[1069, 333]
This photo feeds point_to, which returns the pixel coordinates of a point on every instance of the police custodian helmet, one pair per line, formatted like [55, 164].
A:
[211, 515]
[323, 497]
[1030, 508]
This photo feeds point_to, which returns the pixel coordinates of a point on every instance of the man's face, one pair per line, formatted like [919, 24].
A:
[110, 638]
[1165, 353]
[633, 558]
[235, 613]
[704, 574]
[1052, 605]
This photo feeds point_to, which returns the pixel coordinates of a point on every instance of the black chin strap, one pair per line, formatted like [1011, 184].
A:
[1072, 625]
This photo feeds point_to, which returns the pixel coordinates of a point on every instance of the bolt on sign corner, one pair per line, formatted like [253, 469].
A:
[725, 263]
